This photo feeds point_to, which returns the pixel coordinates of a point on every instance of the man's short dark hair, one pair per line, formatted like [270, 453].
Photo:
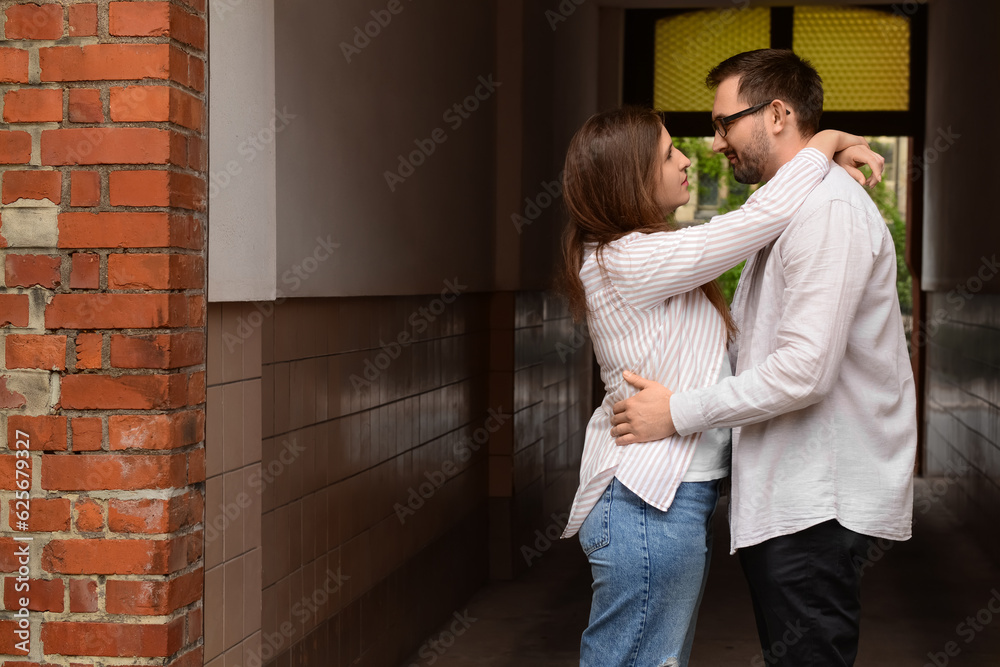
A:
[775, 74]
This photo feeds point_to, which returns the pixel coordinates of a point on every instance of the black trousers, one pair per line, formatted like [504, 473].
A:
[806, 592]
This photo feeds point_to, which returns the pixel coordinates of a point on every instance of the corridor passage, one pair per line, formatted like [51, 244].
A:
[922, 599]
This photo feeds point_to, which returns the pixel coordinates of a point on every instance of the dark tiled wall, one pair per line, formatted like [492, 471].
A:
[534, 472]
[381, 420]
[567, 362]
[232, 503]
[963, 406]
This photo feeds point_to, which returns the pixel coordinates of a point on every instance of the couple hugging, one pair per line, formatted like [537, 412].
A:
[810, 370]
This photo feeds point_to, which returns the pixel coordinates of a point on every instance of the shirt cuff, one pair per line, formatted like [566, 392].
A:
[687, 411]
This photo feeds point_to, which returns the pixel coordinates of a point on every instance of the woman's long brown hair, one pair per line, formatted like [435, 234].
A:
[608, 186]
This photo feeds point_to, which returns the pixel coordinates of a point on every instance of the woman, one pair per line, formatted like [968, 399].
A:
[652, 307]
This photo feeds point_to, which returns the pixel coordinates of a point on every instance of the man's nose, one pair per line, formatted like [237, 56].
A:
[718, 143]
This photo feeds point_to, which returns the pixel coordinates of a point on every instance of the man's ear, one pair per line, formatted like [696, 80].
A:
[778, 116]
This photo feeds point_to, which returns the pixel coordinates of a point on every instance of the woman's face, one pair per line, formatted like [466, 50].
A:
[672, 185]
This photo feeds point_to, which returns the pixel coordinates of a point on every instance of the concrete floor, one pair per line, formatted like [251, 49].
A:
[917, 596]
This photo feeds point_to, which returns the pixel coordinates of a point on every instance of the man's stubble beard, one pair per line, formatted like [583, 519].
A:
[749, 169]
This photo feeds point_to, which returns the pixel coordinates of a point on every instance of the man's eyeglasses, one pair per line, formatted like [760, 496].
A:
[721, 125]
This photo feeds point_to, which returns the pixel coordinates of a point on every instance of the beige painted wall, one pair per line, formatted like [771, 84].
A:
[241, 228]
[341, 231]
[352, 122]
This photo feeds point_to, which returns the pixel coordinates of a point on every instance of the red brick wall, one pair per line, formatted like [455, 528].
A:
[102, 316]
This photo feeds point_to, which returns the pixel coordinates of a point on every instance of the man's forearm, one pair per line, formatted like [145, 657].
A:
[757, 395]
[819, 297]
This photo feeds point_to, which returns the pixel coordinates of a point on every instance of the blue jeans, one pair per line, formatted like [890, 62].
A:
[649, 569]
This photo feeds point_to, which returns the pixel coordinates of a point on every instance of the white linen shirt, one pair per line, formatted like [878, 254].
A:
[823, 392]
[647, 314]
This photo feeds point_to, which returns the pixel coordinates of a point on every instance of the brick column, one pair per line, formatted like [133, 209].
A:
[102, 327]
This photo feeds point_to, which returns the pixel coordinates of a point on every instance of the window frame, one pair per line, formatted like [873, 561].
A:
[639, 69]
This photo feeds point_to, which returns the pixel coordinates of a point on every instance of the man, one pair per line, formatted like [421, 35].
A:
[822, 401]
